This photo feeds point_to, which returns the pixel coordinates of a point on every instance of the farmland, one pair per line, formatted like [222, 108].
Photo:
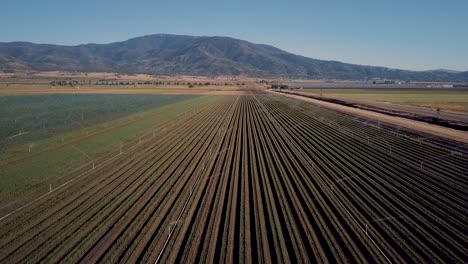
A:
[447, 99]
[252, 178]
[47, 139]
[43, 116]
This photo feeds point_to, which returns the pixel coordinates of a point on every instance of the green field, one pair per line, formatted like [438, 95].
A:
[25, 171]
[452, 100]
[29, 118]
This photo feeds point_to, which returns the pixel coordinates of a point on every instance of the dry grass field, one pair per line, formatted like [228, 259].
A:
[447, 99]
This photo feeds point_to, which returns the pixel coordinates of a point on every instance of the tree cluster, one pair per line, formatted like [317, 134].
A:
[279, 86]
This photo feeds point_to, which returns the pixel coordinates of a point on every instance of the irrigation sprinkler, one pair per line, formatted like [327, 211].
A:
[82, 127]
[458, 148]
[434, 158]
[422, 139]
[373, 124]
[347, 130]
[294, 104]
[173, 225]
[381, 220]
[342, 129]
[389, 146]
[273, 120]
[439, 157]
[308, 159]
[171, 230]
[86, 155]
[340, 180]
[19, 134]
[354, 219]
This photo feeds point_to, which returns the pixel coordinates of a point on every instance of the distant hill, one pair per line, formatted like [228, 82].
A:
[444, 70]
[211, 56]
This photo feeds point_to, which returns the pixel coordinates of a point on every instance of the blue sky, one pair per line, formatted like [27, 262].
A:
[414, 35]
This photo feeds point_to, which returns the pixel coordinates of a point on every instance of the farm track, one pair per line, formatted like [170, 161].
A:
[255, 178]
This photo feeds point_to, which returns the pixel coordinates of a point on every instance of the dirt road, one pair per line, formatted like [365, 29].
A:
[410, 109]
[448, 133]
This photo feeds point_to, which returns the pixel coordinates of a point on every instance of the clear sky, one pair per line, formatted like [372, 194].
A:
[411, 34]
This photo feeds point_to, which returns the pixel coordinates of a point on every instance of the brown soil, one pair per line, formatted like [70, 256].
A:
[270, 188]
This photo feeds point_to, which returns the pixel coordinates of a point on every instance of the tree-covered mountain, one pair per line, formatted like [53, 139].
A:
[189, 55]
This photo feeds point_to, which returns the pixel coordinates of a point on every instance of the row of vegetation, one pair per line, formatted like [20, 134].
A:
[255, 178]
[56, 152]
[75, 83]
[29, 118]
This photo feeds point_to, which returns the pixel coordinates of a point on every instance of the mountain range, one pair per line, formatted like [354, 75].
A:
[164, 54]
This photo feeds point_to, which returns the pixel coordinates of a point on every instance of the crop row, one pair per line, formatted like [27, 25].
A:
[255, 178]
